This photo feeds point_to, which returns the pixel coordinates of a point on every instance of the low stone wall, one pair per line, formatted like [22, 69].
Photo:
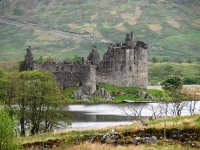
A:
[187, 137]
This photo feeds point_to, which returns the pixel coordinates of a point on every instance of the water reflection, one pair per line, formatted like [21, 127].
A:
[102, 115]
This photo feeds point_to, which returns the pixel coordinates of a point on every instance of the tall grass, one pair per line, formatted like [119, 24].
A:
[97, 146]
[182, 122]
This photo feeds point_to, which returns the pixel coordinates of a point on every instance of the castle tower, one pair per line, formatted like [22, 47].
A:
[94, 57]
[88, 79]
[125, 65]
[28, 63]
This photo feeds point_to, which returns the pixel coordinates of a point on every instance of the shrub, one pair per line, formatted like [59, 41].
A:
[154, 59]
[18, 12]
[189, 61]
[7, 133]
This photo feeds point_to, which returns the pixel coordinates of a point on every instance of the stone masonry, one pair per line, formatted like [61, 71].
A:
[123, 65]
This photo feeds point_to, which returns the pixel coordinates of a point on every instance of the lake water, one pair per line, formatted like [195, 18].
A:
[92, 116]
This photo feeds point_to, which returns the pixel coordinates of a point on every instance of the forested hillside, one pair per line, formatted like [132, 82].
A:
[64, 28]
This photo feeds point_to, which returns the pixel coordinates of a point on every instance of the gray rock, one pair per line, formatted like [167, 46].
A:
[136, 140]
[154, 139]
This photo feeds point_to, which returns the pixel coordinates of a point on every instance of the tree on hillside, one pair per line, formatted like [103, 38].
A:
[154, 59]
[39, 98]
[165, 59]
[198, 59]
[49, 58]
[40, 59]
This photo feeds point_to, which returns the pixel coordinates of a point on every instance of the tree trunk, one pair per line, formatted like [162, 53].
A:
[165, 125]
[22, 126]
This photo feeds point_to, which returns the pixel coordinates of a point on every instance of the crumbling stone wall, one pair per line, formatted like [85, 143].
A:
[123, 65]
[68, 74]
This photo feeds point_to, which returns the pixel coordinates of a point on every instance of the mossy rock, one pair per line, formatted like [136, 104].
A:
[128, 139]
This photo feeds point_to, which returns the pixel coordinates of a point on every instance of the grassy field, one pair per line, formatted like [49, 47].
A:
[129, 93]
[190, 72]
[171, 28]
[118, 93]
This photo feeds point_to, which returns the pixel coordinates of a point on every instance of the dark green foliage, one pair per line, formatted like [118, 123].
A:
[159, 72]
[18, 12]
[198, 59]
[2, 82]
[165, 59]
[154, 59]
[49, 58]
[191, 80]
[40, 59]
[189, 61]
[76, 57]
[172, 84]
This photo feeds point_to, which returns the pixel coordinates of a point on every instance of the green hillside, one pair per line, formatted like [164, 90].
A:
[63, 28]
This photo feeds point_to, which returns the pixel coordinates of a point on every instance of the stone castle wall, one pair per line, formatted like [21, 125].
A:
[123, 65]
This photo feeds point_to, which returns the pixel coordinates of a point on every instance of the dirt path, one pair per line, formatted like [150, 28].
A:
[57, 31]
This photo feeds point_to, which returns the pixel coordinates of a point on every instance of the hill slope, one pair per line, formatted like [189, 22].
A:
[63, 28]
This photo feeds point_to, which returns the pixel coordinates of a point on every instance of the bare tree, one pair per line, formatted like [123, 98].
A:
[192, 94]
[191, 105]
[176, 108]
[156, 110]
[133, 111]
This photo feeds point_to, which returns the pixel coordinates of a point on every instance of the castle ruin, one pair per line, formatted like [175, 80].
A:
[123, 65]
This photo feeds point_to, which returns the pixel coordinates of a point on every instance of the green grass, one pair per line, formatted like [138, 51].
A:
[120, 94]
[69, 92]
[109, 88]
[180, 122]
[61, 134]
[129, 93]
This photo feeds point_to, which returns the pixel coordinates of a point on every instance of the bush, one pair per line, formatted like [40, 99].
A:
[191, 80]
[189, 61]
[18, 12]
[154, 59]
[198, 59]
[165, 59]
[7, 133]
